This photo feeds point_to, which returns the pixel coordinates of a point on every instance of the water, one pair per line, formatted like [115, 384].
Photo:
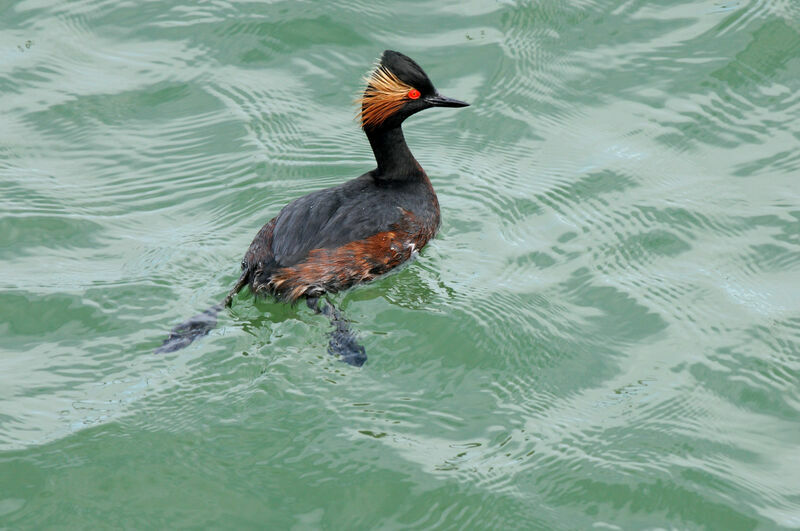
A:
[605, 333]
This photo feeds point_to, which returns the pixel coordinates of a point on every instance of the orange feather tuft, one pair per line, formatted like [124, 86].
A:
[384, 95]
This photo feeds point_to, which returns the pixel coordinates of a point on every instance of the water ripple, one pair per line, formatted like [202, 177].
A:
[605, 332]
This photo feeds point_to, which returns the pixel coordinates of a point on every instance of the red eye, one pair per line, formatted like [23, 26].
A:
[413, 94]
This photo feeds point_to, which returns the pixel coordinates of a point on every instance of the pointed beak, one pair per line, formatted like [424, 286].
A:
[440, 101]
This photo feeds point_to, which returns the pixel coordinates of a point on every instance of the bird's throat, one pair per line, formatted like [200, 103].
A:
[394, 158]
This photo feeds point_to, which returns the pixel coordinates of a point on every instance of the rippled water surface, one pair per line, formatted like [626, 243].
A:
[606, 331]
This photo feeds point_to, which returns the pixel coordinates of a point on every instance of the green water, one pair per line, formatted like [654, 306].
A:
[606, 331]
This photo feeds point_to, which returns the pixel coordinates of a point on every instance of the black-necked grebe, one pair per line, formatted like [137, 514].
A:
[332, 239]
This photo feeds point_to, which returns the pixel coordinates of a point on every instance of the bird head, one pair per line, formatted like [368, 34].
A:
[396, 89]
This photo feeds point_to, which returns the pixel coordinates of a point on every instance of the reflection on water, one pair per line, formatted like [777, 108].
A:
[605, 331]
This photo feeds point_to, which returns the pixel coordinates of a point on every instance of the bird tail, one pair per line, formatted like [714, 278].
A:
[201, 324]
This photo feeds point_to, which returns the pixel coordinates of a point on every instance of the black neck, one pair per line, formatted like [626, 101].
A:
[395, 161]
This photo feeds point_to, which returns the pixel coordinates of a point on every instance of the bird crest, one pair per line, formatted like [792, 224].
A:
[384, 95]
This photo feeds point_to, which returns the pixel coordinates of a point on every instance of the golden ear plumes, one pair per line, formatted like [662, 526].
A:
[384, 95]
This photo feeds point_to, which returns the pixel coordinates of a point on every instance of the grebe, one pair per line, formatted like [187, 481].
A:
[335, 238]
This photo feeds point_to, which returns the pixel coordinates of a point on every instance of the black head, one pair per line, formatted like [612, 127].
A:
[407, 71]
[396, 89]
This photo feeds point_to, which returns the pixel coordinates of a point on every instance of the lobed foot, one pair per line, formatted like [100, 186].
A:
[343, 344]
[343, 341]
[186, 332]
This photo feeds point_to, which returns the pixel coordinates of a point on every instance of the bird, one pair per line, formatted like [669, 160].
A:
[335, 238]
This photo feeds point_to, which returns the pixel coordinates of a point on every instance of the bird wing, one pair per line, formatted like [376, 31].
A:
[330, 218]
